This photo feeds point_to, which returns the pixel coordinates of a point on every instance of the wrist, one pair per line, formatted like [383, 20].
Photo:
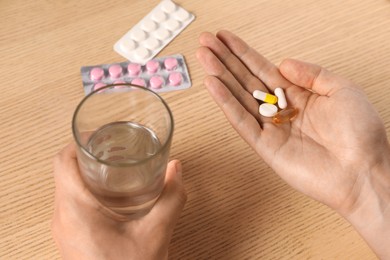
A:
[370, 214]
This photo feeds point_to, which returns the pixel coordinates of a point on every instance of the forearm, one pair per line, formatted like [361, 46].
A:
[371, 216]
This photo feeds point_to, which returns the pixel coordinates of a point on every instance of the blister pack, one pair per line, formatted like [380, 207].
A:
[160, 74]
[149, 36]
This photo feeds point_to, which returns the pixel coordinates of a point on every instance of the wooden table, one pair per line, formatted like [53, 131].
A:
[237, 207]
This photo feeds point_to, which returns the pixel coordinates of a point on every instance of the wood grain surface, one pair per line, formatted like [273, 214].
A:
[238, 208]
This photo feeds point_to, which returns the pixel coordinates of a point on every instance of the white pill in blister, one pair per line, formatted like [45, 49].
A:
[127, 45]
[159, 16]
[142, 53]
[162, 34]
[149, 26]
[268, 110]
[152, 43]
[168, 6]
[163, 23]
[138, 35]
[282, 102]
[172, 24]
[181, 15]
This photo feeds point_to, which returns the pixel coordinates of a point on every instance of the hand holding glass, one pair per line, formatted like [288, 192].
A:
[123, 135]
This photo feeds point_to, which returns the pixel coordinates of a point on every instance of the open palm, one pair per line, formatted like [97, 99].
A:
[334, 141]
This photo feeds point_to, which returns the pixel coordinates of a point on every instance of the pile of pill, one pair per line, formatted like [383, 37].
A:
[161, 74]
[150, 35]
[269, 109]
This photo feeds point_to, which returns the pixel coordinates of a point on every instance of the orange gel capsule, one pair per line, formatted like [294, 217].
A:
[285, 115]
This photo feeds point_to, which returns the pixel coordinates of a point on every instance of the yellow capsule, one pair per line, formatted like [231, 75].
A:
[266, 97]
[285, 115]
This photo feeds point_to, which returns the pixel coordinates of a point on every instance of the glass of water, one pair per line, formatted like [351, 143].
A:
[123, 135]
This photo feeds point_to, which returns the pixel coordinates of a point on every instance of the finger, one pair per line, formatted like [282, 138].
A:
[65, 161]
[172, 200]
[67, 175]
[232, 63]
[242, 121]
[266, 71]
[70, 187]
[213, 66]
[313, 77]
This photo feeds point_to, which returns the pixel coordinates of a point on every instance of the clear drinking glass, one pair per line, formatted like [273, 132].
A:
[123, 135]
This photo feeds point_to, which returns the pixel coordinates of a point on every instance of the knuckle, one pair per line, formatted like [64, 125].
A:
[59, 158]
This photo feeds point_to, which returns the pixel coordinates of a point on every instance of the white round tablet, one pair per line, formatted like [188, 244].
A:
[127, 45]
[159, 16]
[268, 110]
[152, 43]
[162, 34]
[149, 26]
[181, 15]
[142, 53]
[138, 35]
[172, 25]
[168, 6]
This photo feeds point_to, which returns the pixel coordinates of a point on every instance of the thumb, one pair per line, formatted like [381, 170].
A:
[172, 199]
[312, 76]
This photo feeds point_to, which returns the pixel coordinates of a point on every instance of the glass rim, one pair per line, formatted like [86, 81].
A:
[122, 164]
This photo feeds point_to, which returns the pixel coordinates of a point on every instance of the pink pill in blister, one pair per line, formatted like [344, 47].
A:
[175, 78]
[133, 69]
[163, 74]
[99, 85]
[152, 66]
[170, 63]
[97, 74]
[156, 82]
[138, 82]
[115, 71]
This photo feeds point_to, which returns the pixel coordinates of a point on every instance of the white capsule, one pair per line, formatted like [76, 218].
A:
[266, 97]
[268, 110]
[282, 102]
